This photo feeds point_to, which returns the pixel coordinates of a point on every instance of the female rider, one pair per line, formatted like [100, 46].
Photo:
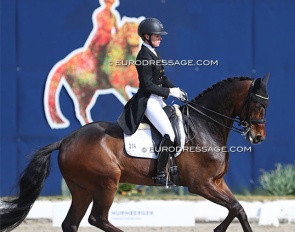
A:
[154, 87]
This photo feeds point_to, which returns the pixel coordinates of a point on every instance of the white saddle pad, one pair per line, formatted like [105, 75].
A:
[140, 144]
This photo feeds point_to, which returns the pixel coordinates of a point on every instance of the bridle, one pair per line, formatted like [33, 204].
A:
[254, 97]
[245, 123]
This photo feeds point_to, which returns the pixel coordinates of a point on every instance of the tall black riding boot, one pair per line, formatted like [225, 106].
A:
[165, 144]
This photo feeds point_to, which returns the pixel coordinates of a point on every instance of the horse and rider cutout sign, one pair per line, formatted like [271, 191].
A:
[92, 70]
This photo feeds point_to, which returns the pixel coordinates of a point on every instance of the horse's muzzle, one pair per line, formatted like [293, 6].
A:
[258, 139]
[255, 139]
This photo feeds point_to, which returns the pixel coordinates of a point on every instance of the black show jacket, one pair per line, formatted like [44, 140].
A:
[152, 80]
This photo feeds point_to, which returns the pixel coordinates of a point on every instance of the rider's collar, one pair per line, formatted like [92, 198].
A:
[150, 47]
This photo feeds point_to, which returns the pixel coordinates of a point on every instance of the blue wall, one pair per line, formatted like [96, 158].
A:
[248, 38]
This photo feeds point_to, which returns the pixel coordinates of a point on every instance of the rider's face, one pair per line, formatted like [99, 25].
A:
[156, 40]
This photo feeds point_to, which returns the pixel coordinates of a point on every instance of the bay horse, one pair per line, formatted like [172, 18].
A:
[93, 161]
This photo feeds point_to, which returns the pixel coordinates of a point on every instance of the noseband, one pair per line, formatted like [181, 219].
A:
[245, 124]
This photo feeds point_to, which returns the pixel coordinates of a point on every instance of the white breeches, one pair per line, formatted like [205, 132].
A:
[155, 113]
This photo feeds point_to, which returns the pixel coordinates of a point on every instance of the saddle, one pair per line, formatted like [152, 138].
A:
[146, 140]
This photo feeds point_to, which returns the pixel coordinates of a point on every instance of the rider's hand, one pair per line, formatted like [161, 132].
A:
[184, 98]
[176, 92]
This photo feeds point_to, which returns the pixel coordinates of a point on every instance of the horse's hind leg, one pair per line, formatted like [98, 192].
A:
[102, 201]
[219, 193]
[80, 202]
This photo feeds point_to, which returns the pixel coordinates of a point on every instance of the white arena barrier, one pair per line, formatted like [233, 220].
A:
[170, 213]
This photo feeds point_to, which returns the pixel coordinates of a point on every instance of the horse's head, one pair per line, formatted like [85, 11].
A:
[254, 110]
[132, 40]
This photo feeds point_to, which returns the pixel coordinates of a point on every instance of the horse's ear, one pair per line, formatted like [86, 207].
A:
[265, 79]
[257, 84]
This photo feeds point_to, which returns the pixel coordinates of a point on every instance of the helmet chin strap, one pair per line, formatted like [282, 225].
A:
[150, 41]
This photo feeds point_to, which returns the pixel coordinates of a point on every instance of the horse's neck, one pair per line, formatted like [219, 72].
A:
[226, 100]
[118, 44]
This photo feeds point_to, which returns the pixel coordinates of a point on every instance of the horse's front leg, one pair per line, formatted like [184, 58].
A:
[235, 210]
[218, 192]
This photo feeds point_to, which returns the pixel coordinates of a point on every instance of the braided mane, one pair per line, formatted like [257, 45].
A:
[220, 83]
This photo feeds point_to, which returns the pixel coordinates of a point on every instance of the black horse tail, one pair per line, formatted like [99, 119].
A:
[14, 211]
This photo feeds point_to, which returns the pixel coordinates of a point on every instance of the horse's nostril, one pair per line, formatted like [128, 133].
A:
[259, 138]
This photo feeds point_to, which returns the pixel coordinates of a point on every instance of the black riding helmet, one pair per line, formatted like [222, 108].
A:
[150, 26]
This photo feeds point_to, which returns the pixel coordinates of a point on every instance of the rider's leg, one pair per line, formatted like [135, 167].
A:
[163, 152]
[159, 119]
[156, 115]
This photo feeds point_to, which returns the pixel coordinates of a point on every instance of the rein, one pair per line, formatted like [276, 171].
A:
[246, 125]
